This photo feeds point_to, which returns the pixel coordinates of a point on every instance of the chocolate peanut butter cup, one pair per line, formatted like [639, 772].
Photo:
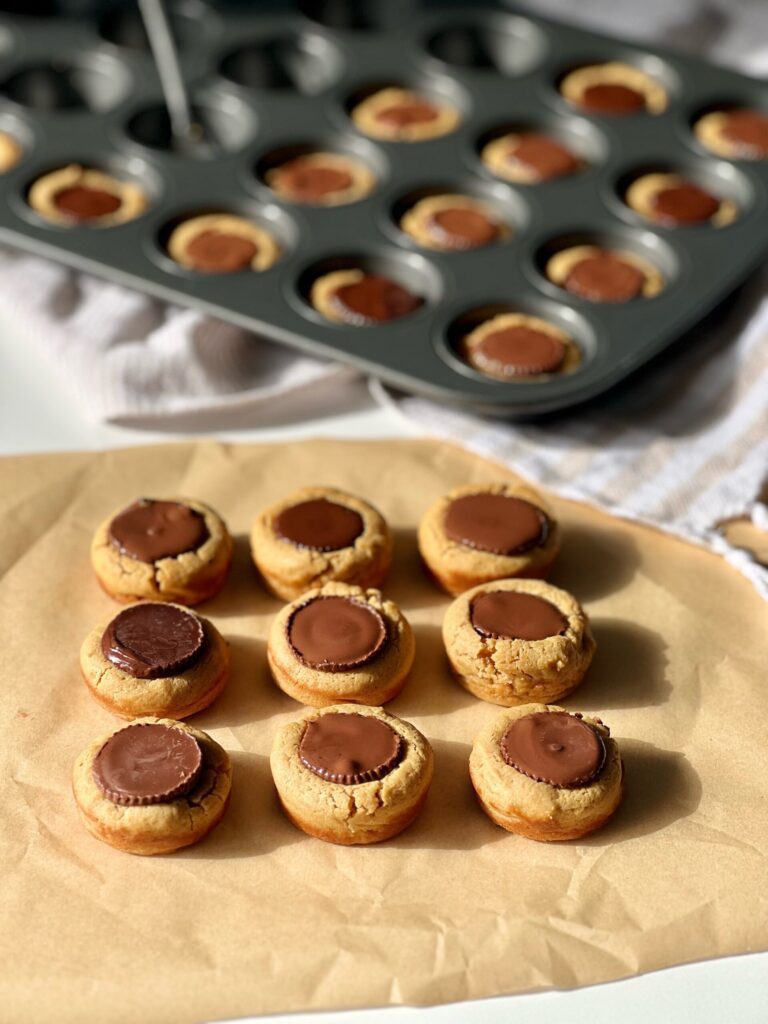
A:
[516, 351]
[153, 641]
[543, 156]
[612, 98]
[462, 227]
[147, 763]
[307, 180]
[554, 747]
[685, 203]
[747, 131]
[82, 203]
[336, 634]
[150, 530]
[496, 523]
[605, 277]
[373, 300]
[406, 113]
[509, 615]
[349, 749]
[220, 252]
[320, 525]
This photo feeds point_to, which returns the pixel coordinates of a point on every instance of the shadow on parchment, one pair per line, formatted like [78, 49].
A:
[629, 669]
[432, 688]
[253, 823]
[594, 561]
[409, 584]
[244, 592]
[660, 788]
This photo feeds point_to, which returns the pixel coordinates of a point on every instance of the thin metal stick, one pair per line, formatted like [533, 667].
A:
[183, 126]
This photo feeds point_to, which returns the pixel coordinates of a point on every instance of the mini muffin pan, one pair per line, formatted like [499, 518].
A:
[77, 85]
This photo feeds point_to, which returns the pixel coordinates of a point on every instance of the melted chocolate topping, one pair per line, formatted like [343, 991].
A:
[508, 615]
[554, 747]
[147, 763]
[403, 114]
[685, 203]
[496, 523]
[612, 98]
[517, 351]
[544, 156]
[350, 749]
[462, 228]
[748, 131]
[153, 641]
[149, 530]
[336, 634]
[605, 278]
[319, 524]
[307, 181]
[217, 252]
[374, 300]
[82, 203]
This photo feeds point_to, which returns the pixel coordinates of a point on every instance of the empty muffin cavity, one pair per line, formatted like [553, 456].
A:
[93, 82]
[304, 62]
[224, 125]
[505, 44]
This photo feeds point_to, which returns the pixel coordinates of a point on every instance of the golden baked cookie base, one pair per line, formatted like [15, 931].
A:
[133, 201]
[641, 193]
[416, 222]
[575, 84]
[501, 321]
[562, 263]
[364, 117]
[267, 249]
[363, 180]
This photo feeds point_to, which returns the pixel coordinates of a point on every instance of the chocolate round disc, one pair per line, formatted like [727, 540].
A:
[374, 300]
[336, 634]
[544, 156]
[748, 131]
[308, 181]
[147, 763]
[554, 747]
[517, 351]
[496, 523]
[508, 615]
[605, 278]
[612, 98]
[350, 749]
[218, 252]
[319, 524]
[153, 640]
[149, 530]
[462, 228]
[83, 203]
[685, 203]
[401, 115]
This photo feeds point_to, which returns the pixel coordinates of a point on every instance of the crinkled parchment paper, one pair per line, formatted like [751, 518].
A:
[261, 918]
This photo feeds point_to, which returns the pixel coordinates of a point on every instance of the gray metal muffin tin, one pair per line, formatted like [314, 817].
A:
[75, 88]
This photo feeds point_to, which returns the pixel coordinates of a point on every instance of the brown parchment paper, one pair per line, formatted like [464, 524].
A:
[259, 917]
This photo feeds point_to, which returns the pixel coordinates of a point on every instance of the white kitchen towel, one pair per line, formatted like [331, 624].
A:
[684, 449]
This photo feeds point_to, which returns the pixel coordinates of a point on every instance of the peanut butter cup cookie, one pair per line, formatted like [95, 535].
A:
[547, 774]
[401, 115]
[162, 551]
[614, 89]
[529, 158]
[10, 152]
[737, 134]
[341, 643]
[319, 534]
[349, 774]
[604, 275]
[360, 299]
[516, 641]
[220, 243]
[673, 201]
[516, 346]
[482, 532]
[321, 179]
[152, 787]
[76, 195]
[453, 223]
[155, 659]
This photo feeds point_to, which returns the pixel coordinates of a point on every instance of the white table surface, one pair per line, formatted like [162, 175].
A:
[36, 416]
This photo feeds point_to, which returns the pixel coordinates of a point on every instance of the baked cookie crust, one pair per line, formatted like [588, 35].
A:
[495, 156]
[502, 321]
[187, 579]
[640, 196]
[10, 152]
[457, 567]
[289, 570]
[41, 196]
[576, 83]
[562, 263]
[538, 810]
[162, 827]
[373, 683]
[267, 249]
[175, 696]
[416, 221]
[710, 130]
[512, 672]
[366, 812]
[362, 184]
[365, 117]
